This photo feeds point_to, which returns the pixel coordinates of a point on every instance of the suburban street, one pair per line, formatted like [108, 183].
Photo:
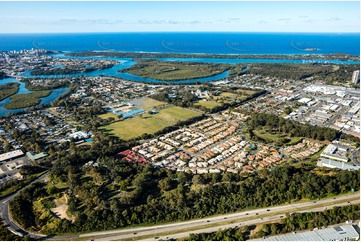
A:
[183, 229]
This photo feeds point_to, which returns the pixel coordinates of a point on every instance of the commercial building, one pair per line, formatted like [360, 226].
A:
[13, 165]
[355, 109]
[336, 164]
[356, 77]
[335, 152]
[32, 156]
[79, 135]
[305, 100]
[11, 155]
[338, 233]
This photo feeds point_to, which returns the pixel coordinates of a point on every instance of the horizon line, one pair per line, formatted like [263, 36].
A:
[230, 32]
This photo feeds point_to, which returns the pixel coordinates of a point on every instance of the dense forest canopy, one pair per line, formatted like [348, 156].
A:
[118, 194]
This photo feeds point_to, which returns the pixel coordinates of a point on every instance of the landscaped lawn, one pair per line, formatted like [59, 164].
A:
[149, 123]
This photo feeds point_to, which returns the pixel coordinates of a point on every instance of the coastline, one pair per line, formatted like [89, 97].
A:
[195, 42]
[128, 54]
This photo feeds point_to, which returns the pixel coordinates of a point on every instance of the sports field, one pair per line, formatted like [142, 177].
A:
[149, 123]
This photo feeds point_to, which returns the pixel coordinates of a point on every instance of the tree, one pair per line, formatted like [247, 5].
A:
[165, 184]
[216, 177]
[73, 178]
[198, 180]
[274, 228]
[52, 190]
[287, 110]
[226, 177]
[7, 146]
[266, 228]
[181, 177]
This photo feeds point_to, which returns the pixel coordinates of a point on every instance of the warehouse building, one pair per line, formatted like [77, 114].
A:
[336, 164]
[11, 155]
[338, 233]
[335, 152]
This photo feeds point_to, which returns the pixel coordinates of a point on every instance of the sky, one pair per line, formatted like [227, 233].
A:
[70, 17]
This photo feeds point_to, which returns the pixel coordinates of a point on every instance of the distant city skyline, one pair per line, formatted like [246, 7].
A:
[78, 17]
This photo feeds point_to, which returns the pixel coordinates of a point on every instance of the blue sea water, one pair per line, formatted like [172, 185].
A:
[127, 62]
[218, 43]
[246, 60]
[209, 43]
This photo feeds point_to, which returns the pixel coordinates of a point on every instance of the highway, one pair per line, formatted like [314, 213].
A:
[273, 218]
[4, 210]
[183, 229]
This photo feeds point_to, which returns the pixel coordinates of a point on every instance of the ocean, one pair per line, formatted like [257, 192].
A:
[209, 43]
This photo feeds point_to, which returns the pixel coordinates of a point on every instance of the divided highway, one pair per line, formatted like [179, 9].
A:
[183, 229]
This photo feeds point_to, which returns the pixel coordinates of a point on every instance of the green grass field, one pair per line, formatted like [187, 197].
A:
[208, 104]
[225, 97]
[228, 94]
[145, 103]
[245, 92]
[150, 103]
[149, 123]
[276, 137]
[109, 115]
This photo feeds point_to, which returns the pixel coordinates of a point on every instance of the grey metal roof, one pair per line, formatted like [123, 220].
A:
[328, 234]
[338, 164]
